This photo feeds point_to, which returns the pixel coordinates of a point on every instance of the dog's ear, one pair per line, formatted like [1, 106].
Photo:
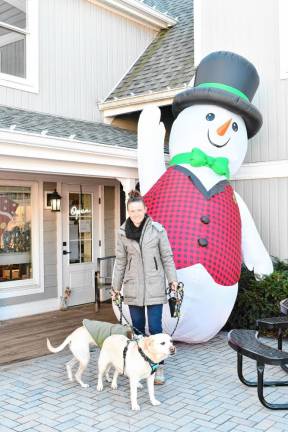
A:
[148, 343]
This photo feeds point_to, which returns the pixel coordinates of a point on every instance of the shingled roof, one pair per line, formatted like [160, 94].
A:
[61, 127]
[168, 62]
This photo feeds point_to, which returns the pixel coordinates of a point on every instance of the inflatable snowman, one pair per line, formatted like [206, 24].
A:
[209, 226]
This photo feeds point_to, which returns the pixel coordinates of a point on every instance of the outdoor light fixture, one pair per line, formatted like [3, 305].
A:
[55, 200]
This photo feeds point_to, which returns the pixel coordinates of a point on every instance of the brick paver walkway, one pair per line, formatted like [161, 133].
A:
[202, 393]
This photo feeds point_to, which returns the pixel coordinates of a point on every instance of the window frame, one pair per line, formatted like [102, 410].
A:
[31, 82]
[283, 37]
[36, 283]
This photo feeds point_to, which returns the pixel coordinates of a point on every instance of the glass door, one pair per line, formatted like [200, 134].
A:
[80, 227]
[81, 224]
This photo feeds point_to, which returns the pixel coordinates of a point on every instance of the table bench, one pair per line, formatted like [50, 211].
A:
[279, 323]
[246, 343]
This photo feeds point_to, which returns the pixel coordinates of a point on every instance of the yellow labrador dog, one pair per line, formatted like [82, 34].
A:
[91, 333]
[136, 359]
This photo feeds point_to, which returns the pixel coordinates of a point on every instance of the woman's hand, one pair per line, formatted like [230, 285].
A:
[174, 285]
[114, 294]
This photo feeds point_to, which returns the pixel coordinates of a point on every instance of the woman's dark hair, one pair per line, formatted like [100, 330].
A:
[135, 196]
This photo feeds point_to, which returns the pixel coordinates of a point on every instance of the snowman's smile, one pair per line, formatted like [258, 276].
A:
[214, 144]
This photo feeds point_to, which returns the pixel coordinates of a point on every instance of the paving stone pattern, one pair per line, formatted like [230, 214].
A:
[202, 393]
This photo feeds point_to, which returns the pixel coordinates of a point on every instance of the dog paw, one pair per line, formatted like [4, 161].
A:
[114, 386]
[83, 385]
[99, 387]
[155, 402]
[108, 379]
[135, 407]
[139, 386]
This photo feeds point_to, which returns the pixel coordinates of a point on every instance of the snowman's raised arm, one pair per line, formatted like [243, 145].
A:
[255, 255]
[150, 153]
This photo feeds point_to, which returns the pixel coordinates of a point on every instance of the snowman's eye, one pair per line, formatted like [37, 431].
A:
[210, 116]
[235, 126]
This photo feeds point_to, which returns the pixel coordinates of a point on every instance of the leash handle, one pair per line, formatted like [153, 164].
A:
[175, 301]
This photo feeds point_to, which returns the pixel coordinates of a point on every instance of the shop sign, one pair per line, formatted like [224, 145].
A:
[75, 211]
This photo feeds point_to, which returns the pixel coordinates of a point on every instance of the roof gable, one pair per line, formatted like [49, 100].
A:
[168, 62]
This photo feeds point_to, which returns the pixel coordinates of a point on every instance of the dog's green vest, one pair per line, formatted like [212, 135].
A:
[101, 330]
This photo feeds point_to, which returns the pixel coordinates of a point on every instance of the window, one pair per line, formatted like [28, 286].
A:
[18, 44]
[80, 228]
[283, 35]
[20, 253]
[15, 232]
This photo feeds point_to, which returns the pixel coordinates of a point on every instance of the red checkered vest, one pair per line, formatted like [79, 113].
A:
[203, 226]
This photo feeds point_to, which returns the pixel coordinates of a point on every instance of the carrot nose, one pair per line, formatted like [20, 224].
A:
[223, 128]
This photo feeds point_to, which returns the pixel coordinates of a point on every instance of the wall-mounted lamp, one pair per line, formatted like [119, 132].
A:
[55, 200]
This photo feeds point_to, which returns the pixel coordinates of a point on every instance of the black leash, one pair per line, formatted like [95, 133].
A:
[175, 299]
[118, 301]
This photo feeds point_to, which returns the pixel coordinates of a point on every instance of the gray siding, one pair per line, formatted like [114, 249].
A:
[268, 204]
[251, 28]
[109, 220]
[84, 51]
[50, 247]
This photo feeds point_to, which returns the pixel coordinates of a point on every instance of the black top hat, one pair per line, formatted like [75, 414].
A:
[226, 79]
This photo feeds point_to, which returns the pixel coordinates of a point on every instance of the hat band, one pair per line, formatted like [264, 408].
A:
[225, 87]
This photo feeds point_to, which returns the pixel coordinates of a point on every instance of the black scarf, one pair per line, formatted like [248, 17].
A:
[132, 231]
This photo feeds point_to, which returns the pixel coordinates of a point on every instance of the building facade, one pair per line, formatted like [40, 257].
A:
[74, 77]
[59, 60]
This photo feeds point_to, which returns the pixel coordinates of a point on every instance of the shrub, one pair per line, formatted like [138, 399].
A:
[259, 299]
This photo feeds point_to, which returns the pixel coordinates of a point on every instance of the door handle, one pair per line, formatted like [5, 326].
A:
[66, 252]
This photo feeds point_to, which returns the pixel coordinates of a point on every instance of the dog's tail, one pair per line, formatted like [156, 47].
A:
[60, 347]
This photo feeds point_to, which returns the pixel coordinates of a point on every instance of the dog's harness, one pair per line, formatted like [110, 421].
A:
[124, 355]
[154, 366]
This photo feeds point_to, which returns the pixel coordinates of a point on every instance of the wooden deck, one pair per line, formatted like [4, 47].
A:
[25, 338]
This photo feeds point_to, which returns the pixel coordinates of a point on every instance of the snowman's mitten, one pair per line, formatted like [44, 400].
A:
[151, 132]
[150, 152]
[263, 268]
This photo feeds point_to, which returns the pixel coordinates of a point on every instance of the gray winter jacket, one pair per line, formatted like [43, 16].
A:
[141, 267]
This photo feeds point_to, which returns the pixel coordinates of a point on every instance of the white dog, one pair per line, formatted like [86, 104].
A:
[136, 365]
[91, 333]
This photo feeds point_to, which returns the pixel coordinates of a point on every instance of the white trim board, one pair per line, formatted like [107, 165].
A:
[29, 152]
[31, 308]
[136, 103]
[261, 170]
[138, 12]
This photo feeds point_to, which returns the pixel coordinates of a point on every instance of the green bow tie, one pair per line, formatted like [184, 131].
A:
[197, 158]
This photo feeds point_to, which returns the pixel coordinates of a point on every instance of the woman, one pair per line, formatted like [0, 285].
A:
[143, 258]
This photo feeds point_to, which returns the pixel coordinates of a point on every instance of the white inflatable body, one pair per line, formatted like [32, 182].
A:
[206, 305]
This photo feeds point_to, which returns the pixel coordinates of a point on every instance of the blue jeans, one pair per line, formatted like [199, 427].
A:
[154, 314]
